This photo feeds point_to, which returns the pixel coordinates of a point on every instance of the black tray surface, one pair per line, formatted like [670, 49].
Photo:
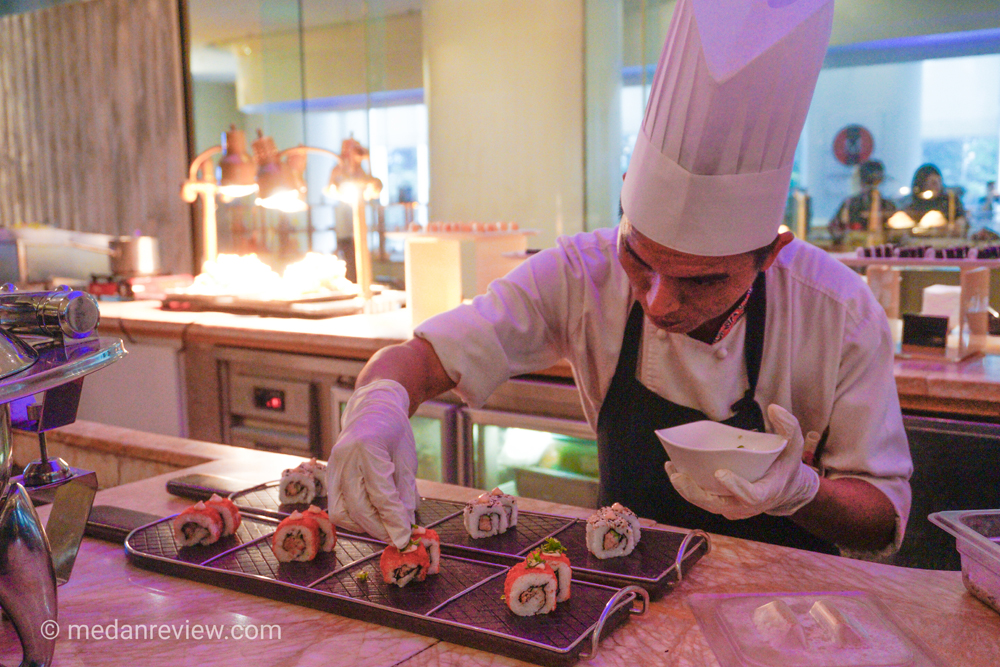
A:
[530, 530]
[363, 581]
[258, 559]
[652, 563]
[158, 539]
[484, 608]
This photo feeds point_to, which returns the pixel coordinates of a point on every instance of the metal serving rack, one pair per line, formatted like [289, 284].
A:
[463, 604]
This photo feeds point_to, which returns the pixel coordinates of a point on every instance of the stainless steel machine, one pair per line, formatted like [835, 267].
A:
[47, 345]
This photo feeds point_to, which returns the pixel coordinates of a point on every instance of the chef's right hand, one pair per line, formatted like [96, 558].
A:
[373, 466]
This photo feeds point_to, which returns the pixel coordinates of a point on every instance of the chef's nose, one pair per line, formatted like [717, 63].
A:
[662, 298]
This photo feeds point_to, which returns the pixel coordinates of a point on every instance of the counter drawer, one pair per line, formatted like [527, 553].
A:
[285, 401]
[271, 440]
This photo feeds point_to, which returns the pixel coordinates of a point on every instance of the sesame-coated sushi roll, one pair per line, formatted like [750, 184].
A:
[318, 470]
[402, 567]
[484, 517]
[198, 524]
[509, 503]
[432, 543]
[530, 587]
[297, 486]
[228, 511]
[554, 555]
[296, 538]
[612, 531]
[327, 531]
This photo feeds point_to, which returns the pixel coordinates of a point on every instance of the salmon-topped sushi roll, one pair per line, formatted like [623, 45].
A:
[432, 543]
[554, 555]
[296, 538]
[327, 531]
[198, 524]
[530, 587]
[402, 567]
[228, 511]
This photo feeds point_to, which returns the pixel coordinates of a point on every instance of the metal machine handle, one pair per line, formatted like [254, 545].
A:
[625, 596]
[65, 312]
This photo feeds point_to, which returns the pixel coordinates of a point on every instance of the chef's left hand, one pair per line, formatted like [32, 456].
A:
[786, 486]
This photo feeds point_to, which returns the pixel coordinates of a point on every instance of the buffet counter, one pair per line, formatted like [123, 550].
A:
[970, 388]
[105, 590]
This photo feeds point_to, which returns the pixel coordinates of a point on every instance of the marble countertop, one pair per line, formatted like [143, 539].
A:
[105, 590]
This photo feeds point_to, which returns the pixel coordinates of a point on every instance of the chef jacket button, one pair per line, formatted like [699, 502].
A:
[721, 353]
[661, 334]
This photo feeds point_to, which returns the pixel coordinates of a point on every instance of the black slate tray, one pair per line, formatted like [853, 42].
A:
[658, 562]
[462, 604]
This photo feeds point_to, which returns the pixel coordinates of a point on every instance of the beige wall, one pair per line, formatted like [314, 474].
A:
[503, 82]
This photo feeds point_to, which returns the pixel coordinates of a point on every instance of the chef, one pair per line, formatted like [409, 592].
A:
[694, 307]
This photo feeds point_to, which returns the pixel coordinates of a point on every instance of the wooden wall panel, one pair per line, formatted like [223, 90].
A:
[92, 122]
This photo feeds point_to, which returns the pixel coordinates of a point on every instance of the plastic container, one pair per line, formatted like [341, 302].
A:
[977, 538]
[842, 629]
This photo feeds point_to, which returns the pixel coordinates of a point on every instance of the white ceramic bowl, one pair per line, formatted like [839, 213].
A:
[700, 448]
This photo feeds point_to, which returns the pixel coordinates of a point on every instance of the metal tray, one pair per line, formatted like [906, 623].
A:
[462, 604]
[977, 539]
[659, 561]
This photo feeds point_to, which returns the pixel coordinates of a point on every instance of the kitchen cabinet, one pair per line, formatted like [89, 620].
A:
[144, 391]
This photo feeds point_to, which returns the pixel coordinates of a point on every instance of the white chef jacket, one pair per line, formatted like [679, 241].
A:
[827, 359]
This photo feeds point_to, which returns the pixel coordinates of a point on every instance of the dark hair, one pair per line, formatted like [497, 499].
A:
[871, 171]
[921, 174]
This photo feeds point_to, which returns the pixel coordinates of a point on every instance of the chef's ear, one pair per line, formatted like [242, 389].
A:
[783, 239]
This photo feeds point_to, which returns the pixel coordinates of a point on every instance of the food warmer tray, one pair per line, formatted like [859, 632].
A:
[659, 561]
[462, 604]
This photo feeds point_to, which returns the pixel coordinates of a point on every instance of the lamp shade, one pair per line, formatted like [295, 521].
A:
[239, 171]
[275, 180]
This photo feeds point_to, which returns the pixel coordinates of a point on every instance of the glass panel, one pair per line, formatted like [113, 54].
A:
[536, 464]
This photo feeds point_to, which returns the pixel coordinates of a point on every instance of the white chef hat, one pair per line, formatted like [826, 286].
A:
[712, 163]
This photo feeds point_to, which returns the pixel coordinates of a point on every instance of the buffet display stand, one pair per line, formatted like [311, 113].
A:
[883, 274]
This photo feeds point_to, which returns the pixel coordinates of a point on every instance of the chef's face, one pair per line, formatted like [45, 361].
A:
[680, 292]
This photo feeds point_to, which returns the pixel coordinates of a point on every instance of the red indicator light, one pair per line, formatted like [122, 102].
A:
[274, 403]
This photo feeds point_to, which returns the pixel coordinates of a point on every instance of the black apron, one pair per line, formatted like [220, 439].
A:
[631, 457]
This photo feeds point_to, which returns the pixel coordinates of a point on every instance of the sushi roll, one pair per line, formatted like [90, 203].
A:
[402, 567]
[228, 511]
[509, 503]
[318, 470]
[554, 555]
[327, 531]
[484, 517]
[198, 524]
[297, 486]
[296, 538]
[432, 543]
[530, 587]
[612, 531]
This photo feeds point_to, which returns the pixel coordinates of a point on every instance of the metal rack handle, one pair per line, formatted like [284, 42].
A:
[682, 551]
[625, 596]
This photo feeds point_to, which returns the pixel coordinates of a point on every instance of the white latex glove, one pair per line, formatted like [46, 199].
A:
[786, 486]
[373, 466]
